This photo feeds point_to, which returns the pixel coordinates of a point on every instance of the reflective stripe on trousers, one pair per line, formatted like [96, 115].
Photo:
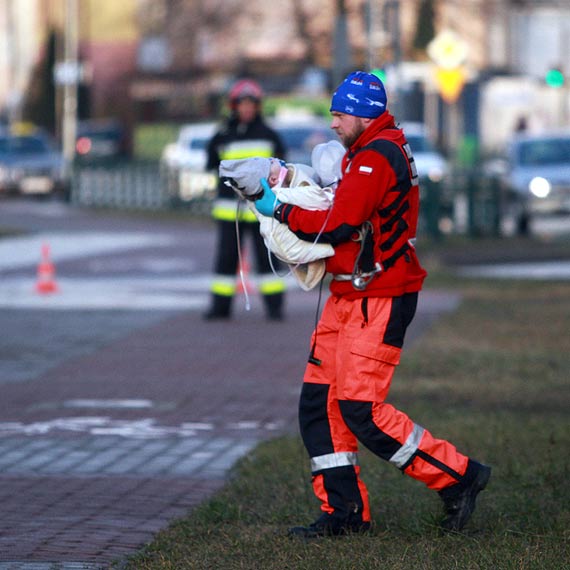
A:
[227, 286]
[331, 460]
[408, 450]
[224, 285]
[271, 285]
[342, 459]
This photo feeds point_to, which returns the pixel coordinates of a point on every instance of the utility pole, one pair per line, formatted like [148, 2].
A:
[370, 21]
[391, 18]
[70, 80]
[392, 26]
[342, 59]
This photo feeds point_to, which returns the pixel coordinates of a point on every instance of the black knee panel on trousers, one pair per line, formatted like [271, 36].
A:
[358, 418]
[313, 419]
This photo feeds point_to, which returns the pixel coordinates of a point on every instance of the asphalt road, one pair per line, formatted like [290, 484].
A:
[121, 408]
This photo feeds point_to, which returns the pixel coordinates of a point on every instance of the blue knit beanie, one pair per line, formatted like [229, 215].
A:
[361, 94]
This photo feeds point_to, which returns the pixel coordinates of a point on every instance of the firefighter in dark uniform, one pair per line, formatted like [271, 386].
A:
[244, 135]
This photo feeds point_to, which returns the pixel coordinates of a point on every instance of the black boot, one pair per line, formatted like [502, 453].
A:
[459, 499]
[274, 306]
[220, 308]
[329, 525]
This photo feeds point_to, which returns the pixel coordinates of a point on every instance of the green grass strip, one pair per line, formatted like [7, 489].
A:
[492, 377]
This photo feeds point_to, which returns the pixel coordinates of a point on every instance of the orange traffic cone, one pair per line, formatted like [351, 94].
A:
[46, 274]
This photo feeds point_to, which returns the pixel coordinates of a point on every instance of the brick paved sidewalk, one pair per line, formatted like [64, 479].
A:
[102, 450]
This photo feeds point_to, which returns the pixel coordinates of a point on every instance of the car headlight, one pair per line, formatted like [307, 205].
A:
[540, 187]
[436, 173]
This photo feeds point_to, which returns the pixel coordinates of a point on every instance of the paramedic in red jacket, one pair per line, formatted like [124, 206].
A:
[376, 277]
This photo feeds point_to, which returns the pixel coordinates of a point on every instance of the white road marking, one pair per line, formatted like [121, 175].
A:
[109, 404]
[544, 270]
[245, 425]
[145, 428]
[26, 250]
[180, 293]
[145, 264]
[186, 293]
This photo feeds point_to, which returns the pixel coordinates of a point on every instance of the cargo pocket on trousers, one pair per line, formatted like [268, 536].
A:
[372, 368]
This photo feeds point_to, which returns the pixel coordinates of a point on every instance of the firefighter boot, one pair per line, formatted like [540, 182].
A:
[459, 499]
[220, 308]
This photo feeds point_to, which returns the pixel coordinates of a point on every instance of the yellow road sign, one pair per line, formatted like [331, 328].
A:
[448, 50]
[450, 82]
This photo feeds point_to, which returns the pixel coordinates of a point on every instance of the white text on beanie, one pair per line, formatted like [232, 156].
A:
[361, 94]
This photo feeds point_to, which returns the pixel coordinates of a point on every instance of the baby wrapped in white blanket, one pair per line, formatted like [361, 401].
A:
[311, 188]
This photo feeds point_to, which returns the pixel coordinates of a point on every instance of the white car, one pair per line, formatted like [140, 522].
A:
[183, 163]
[189, 150]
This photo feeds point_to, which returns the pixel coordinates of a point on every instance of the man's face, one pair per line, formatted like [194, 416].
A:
[246, 110]
[348, 127]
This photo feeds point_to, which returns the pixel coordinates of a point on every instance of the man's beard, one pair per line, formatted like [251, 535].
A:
[350, 138]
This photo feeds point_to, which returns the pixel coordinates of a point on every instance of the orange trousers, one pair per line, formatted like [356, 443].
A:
[355, 350]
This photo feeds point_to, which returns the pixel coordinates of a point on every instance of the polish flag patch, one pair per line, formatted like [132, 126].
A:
[365, 170]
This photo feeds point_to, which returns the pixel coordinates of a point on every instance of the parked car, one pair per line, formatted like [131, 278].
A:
[301, 133]
[183, 162]
[31, 164]
[535, 176]
[100, 140]
[429, 161]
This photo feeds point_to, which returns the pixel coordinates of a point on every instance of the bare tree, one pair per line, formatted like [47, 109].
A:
[303, 30]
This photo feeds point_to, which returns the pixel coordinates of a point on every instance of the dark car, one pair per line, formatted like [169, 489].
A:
[31, 164]
[536, 176]
[100, 140]
[301, 134]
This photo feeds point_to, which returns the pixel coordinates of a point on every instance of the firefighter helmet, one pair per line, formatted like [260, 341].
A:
[245, 89]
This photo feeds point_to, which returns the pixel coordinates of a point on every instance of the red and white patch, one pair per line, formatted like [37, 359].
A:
[365, 170]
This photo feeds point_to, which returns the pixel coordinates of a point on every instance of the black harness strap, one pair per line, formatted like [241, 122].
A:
[390, 261]
[396, 203]
[400, 229]
[398, 207]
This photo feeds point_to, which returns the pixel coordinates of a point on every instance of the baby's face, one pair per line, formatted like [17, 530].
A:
[274, 171]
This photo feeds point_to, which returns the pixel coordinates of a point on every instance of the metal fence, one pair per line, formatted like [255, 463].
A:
[466, 203]
[121, 185]
[135, 185]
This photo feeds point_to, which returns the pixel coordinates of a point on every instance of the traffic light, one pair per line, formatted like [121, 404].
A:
[554, 78]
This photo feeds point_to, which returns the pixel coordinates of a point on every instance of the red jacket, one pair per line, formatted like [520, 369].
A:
[379, 185]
